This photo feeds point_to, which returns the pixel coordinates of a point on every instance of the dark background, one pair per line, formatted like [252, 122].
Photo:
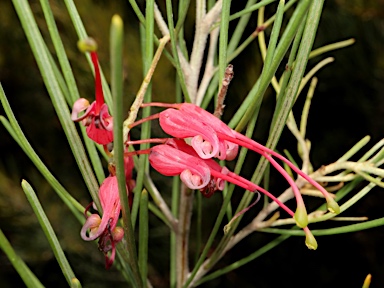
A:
[347, 106]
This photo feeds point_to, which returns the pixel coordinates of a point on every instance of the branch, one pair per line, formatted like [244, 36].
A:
[210, 69]
[204, 24]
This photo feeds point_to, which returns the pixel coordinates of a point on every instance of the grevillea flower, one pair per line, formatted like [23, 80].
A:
[185, 121]
[105, 228]
[175, 157]
[215, 183]
[170, 161]
[96, 117]
[213, 138]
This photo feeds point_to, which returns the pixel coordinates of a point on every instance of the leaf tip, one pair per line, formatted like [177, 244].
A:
[117, 21]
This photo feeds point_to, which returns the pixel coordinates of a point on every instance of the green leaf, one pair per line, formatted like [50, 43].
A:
[143, 236]
[58, 100]
[15, 131]
[49, 233]
[116, 50]
[30, 280]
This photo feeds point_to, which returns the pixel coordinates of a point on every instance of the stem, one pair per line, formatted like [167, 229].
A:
[143, 88]
[143, 237]
[182, 235]
[204, 23]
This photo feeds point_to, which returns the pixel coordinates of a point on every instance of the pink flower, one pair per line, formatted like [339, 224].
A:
[176, 157]
[105, 228]
[96, 117]
[215, 183]
[213, 138]
[191, 121]
[170, 161]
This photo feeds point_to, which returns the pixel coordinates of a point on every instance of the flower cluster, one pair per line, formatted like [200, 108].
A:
[198, 138]
[210, 138]
[99, 125]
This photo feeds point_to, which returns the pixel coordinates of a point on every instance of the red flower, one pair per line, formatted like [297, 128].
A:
[176, 157]
[170, 161]
[213, 138]
[96, 118]
[105, 228]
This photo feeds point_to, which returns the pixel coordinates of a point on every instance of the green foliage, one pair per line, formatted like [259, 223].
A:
[192, 70]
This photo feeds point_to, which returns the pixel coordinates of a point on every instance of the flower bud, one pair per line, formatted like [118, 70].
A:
[118, 234]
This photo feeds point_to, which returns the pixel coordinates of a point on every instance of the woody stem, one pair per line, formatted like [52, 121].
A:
[182, 235]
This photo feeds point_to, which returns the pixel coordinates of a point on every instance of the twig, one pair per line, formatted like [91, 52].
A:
[204, 23]
[143, 88]
[228, 75]
[182, 235]
[165, 31]
[158, 199]
[163, 27]
[210, 69]
[259, 223]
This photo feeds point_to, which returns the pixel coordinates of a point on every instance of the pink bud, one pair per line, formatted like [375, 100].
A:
[118, 234]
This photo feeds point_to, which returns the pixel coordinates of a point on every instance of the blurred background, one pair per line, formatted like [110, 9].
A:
[348, 104]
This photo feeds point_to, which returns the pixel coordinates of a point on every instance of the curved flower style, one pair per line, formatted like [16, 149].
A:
[176, 157]
[96, 118]
[105, 228]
